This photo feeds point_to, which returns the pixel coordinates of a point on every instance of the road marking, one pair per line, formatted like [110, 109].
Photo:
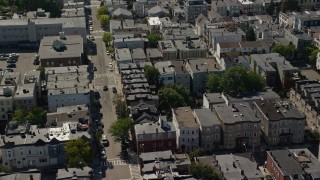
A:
[115, 163]
[98, 31]
[103, 75]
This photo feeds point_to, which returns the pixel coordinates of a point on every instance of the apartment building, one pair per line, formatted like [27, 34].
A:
[210, 129]
[199, 70]
[275, 69]
[251, 7]
[154, 24]
[155, 136]
[57, 51]
[182, 76]
[293, 164]
[233, 166]
[187, 129]
[26, 146]
[15, 31]
[281, 122]
[220, 7]
[298, 38]
[305, 98]
[25, 96]
[235, 49]
[240, 126]
[191, 49]
[299, 20]
[6, 102]
[168, 50]
[214, 36]
[194, 8]
[131, 43]
[67, 86]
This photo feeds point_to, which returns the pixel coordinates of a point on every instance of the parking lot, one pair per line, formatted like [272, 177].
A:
[24, 63]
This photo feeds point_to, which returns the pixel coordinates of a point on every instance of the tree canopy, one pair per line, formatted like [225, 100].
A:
[121, 109]
[42, 72]
[285, 51]
[51, 6]
[312, 52]
[79, 152]
[119, 129]
[153, 39]
[104, 20]
[270, 8]
[152, 74]
[235, 79]
[289, 5]
[102, 10]
[250, 35]
[110, 49]
[173, 96]
[36, 116]
[204, 171]
[107, 37]
[196, 153]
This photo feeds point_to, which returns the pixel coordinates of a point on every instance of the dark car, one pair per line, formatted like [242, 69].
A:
[105, 88]
[11, 61]
[94, 68]
[11, 65]
[9, 70]
[96, 95]
[114, 90]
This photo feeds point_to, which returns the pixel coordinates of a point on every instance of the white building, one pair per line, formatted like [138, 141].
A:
[166, 71]
[187, 130]
[32, 147]
[154, 24]
[67, 86]
[33, 30]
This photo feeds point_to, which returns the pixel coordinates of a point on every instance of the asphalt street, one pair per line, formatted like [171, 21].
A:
[116, 168]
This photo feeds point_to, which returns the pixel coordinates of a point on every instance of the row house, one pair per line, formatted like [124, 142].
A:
[281, 122]
[155, 136]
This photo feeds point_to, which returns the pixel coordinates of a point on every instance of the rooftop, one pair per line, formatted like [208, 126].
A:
[278, 109]
[266, 62]
[123, 54]
[154, 127]
[153, 53]
[164, 67]
[190, 44]
[152, 156]
[167, 45]
[206, 117]
[138, 53]
[184, 117]
[53, 47]
[25, 91]
[70, 173]
[203, 65]
[121, 12]
[154, 21]
[235, 113]
[66, 70]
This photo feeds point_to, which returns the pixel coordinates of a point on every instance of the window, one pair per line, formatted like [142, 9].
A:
[154, 136]
[140, 137]
[192, 139]
[192, 132]
[182, 139]
[154, 145]
[254, 134]
[29, 151]
[169, 144]
[19, 162]
[182, 131]
[141, 146]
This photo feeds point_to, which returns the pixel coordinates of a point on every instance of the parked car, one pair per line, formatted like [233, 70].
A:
[105, 88]
[114, 90]
[104, 140]
[3, 58]
[11, 61]
[94, 68]
[14, 55]
[11, 65]
[8, 70]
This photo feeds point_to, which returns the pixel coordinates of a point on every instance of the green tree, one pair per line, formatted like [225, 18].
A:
[42, 72]
[107, 37]
[213, 83]
[285, 51]
[232, 80]
[254, 82]
[19, 116]
[183, 92]
[312, 52]
[152, 74]
[37, 116]
[5, 169]
[289, 5]
[169, 98]
[121, 109]
[204, 171]
[4, 3]
[153, 39]
[196, 153]
[270, 8]
[102, 10]
[119, 129]
[110, 49]
[79, 152]
[104, 20]
[250, 35]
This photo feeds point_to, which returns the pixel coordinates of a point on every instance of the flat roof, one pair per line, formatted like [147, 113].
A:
[185, 117]
[152, 21]
[200, 65]
[49, 47]
[278, 109]
[235, 113]
[206, 117]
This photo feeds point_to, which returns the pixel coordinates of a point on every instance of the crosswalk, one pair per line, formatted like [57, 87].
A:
[103, 75]
[97, 31]
[116, 162]
[135, 171]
